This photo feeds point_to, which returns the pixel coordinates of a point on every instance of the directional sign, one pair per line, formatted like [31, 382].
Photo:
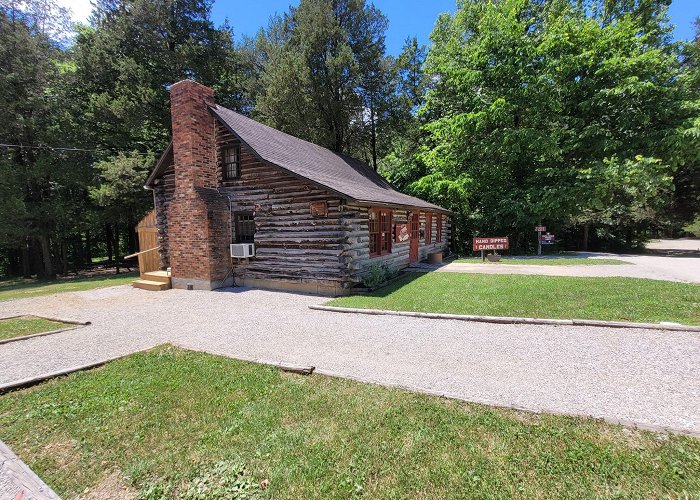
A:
[540, 229]
[547, 237]
[497, 243]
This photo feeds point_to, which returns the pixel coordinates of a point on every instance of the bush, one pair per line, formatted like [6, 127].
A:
[377, 274]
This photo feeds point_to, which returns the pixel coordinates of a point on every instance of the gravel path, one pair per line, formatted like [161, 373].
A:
[640, 376]
[655, 267]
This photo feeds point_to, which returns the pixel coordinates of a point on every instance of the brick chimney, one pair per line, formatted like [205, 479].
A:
[195, 255]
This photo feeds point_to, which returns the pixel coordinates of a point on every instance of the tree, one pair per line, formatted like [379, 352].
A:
[43, 188]
[323, 70]
[542, 110]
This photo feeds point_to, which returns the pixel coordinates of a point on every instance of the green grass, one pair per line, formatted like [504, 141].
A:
[620, 299]
[21, 288]
[541, 261]
[27, 325]
[171, 421]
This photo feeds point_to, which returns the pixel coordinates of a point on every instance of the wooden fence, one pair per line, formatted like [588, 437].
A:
[149, 257]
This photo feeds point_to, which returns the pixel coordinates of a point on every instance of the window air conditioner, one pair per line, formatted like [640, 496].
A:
[242, 250]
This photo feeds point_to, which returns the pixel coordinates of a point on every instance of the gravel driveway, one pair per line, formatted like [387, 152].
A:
[636, 376]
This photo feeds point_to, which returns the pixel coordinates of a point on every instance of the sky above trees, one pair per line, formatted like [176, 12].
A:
[406, 17]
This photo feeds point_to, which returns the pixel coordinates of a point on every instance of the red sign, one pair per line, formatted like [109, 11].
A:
[540, 229]
[547, 237]
[498, 243]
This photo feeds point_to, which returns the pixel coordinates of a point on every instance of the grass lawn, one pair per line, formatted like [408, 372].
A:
[27, 325]
[620, 299]
[171, 423]
[21, 288]
[552, 261]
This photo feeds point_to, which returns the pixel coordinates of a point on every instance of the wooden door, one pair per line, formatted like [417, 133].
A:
[415, 238]
[149, 257]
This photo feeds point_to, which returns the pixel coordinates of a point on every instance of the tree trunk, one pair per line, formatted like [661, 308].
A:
[374, 137]
[64, 258]
[586, 230]
[48, 269]
[26, 265]
[116, 245]
[88, 249]
[109, 239]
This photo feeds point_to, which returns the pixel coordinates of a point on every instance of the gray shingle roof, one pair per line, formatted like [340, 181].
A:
[342, 174]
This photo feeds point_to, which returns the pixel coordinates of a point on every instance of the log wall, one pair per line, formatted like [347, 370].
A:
[356, 251]
[291, 244]
[163, 193]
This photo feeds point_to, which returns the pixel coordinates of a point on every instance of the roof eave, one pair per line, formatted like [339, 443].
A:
[159, 166]
[402, 205]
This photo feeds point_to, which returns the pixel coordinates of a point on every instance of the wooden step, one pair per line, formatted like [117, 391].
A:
[160, 276]
[153, 286]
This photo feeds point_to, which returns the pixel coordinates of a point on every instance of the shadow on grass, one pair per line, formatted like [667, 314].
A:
[403, 280]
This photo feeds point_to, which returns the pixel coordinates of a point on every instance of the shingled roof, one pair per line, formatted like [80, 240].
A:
[342, 174]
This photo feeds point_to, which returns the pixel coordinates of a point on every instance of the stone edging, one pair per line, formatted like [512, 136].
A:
[77, 324]
[26, 481]
[28, 382]
[512, 320]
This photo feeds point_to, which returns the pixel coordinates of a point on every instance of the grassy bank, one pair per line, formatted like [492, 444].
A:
[21, 288]
[27, 325]
[620, 299]
[170, 421]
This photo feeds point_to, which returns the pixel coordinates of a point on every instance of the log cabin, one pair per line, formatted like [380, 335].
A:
[314, 220]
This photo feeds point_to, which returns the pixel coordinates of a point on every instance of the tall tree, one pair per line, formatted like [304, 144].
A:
[43, 182]
[563, 111]
[324, 69]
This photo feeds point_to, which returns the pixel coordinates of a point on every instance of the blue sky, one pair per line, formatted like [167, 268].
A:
[406, 17]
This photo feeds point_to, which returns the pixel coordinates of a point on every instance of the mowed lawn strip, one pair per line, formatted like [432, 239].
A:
[27, 325]
[169, 421]
[21, 288]
[555, 261]
[560, 297]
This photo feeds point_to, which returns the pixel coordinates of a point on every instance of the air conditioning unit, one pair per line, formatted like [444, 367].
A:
[242, 250]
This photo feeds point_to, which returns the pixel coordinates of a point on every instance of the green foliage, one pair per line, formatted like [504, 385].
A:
[225, 479]
[120, 191]
[693, 228]
[559, 112]
[377, 274]
[323, 63]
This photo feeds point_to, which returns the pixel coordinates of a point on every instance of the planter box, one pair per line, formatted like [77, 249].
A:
[493, 258]
[435, 258]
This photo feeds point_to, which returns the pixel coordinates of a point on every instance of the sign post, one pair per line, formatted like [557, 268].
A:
[539, 229]
[482, 244]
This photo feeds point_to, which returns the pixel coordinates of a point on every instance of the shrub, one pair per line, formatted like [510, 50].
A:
[377, 274]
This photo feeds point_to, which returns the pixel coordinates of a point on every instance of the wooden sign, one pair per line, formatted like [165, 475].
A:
[319, 208]
[540, 229]
[402, 233]
[497, 243]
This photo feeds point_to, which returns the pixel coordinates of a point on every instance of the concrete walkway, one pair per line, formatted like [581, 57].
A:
[635, 376]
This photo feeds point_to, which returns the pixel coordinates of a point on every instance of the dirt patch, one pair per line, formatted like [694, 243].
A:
[112, 487]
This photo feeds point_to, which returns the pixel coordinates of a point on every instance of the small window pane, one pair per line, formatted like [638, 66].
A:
[245, 228]
[232, 162]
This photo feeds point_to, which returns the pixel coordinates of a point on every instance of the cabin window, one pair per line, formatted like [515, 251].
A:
[232, 162]
[379, 232]
[438, 232]
[245, 228]
[428, 228]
